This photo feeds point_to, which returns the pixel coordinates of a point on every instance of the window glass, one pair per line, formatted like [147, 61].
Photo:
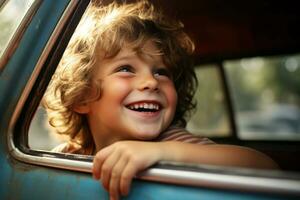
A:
[11, 16]
[266, 96]
[211, 117]
[41, 136]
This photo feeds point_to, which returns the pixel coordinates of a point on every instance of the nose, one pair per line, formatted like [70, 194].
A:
[148, 82]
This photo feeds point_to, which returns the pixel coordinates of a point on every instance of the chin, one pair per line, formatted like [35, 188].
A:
[147, 135]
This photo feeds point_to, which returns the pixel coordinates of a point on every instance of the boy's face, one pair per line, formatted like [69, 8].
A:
[138, 98]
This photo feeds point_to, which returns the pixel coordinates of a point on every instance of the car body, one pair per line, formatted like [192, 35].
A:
[27, 64]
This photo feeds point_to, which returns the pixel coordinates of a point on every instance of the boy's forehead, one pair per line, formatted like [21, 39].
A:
[147, 51]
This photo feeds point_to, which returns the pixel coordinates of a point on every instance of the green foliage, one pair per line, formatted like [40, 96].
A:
[256, 82]
[211, 116]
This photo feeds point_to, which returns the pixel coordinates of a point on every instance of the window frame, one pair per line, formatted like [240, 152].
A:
[34, 89]
[2, 3]
[229, 101]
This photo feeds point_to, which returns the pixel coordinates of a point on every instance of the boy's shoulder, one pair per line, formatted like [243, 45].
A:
[175, 133]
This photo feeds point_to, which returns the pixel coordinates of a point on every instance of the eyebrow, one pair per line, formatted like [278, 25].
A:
[115, 59]
[132, 54]
[129, 54]
[123, 58]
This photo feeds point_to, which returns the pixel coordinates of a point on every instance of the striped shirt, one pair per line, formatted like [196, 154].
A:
[174, 133]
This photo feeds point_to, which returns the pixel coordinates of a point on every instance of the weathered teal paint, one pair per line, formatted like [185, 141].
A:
[25, 181]
[34, 182]
[19, 68]
[14, 77]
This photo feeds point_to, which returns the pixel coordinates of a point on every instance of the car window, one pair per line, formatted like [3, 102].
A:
[11, 14]
[41, 136]
[266, 96]
[264, 91]
[211, 117]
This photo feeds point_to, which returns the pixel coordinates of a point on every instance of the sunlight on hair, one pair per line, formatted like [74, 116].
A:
[110, 17]
[104, 31]
[85, 27]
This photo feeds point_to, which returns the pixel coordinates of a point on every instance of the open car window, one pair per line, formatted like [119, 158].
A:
[264, 92]
[210, 119]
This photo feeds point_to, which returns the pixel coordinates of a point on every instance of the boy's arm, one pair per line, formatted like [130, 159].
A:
[118, 163]
[216, 154]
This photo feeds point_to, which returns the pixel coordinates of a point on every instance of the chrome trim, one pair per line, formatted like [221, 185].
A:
[223, 181]
[2, 4]
[174, 176]
[11, 46]
[60, 163]
[14, 151]
[72, 5]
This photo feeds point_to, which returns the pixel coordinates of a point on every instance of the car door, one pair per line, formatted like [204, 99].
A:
[27, 64]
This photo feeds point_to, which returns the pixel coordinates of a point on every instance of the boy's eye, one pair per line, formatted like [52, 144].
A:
[162, 72]
[125, 68]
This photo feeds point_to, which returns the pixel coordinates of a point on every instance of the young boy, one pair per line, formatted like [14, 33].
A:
[122, 91]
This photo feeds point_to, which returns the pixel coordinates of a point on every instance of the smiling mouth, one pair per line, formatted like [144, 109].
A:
[145, 107]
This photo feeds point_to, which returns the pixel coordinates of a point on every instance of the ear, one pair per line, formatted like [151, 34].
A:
[83, 108]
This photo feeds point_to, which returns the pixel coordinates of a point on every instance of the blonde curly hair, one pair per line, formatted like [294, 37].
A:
[107, 29]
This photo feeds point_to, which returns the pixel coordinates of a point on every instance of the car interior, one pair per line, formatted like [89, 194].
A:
[236, 30]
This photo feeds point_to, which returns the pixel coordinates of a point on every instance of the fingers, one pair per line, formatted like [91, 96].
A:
[121, 177]
[114, 184]
[117, 164]
[116, 171]
[99, 159]
[114, 197]
[126, 178]
[107, 169]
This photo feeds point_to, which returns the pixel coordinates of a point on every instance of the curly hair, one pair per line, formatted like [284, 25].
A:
[107, 29]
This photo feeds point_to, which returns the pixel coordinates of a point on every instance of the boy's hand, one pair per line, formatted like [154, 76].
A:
[118, 163]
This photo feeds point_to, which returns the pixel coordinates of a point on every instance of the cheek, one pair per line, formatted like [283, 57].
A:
[171, 95]
[115, 89]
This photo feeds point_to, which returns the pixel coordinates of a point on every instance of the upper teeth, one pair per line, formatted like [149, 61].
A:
[145, 106]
